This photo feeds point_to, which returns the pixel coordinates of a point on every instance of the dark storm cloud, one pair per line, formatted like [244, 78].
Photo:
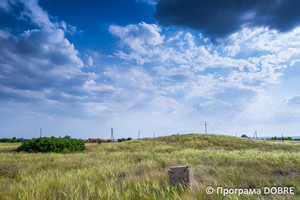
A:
[219, 18]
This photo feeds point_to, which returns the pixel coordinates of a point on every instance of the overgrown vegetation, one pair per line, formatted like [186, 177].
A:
[122, 140]
[285, 138]
[52, 144]
[14, 139]
[138, 169]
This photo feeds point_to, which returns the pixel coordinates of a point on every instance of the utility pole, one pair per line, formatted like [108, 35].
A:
[205, 128]
[139, 134]
[255, 135]
[154, 134]
[41, 132]
[112, 134]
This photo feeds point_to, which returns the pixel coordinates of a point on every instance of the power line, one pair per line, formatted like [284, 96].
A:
[255, 135]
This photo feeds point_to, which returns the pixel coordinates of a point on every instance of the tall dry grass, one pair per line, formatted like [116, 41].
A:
[138, 169]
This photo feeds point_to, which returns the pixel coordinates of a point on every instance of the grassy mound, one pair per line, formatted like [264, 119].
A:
[202, 142]
[52, 144]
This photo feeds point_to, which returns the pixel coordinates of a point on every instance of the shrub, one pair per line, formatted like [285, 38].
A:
[14, 139]
[122, 140]
[67, 137]
[52, 144]
[128, 139]
[101, 141]
[5, 140]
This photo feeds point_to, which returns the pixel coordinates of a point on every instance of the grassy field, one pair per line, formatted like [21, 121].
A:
[138, 169]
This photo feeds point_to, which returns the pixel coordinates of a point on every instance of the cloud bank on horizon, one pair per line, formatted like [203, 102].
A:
[155, 78]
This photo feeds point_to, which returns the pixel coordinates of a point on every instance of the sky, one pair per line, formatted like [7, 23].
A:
[80, 68]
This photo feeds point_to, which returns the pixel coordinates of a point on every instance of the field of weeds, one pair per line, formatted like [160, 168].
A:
[138, 169]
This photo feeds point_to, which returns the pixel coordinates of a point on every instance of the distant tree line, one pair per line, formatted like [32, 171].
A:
[90, 140]
[99, 140]
[285, 138]
[14, 139]
[124, 139]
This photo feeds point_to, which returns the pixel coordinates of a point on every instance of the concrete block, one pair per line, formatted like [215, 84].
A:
[181, 175]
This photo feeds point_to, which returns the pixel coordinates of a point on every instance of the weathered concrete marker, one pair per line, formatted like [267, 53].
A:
[181, 175]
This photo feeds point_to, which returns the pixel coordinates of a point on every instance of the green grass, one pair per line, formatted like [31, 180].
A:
[9, 147]
[138, 169]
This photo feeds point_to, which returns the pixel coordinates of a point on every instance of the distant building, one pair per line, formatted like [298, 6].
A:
[95, 140]
[244, 136]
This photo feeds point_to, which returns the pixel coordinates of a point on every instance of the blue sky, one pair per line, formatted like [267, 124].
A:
[81, 67]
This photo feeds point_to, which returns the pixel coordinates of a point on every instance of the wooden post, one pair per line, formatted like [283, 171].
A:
[181, 175]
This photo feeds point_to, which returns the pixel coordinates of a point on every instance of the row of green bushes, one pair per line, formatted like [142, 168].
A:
[14, 139]
[124, 139]
[52, 144]
[285, 138]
